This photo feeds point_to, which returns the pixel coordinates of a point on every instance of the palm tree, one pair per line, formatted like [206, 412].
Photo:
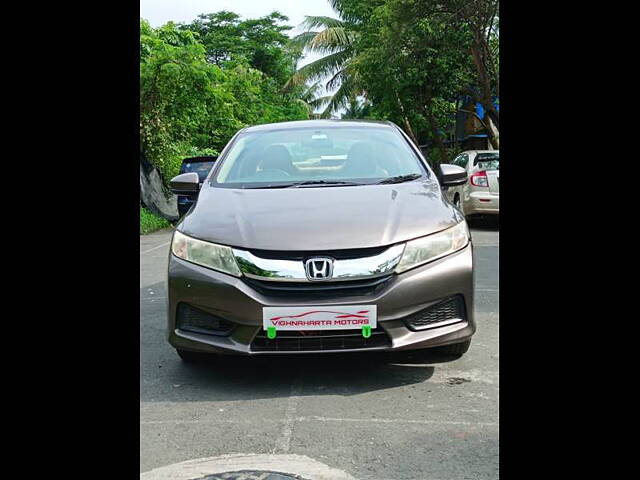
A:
[312, 99]
[356, 108]
[335, 39]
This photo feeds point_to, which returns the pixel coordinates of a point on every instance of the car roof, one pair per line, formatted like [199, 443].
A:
[318, 124]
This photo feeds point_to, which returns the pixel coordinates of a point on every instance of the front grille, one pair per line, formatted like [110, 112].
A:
[191, 319]
[347, 254]
[319, 340]
[318, 289]
[450, 310]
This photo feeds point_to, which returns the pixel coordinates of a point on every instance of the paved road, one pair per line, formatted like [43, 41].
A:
[374, 420]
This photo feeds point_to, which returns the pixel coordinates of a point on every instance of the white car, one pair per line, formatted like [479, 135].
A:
[480, 194]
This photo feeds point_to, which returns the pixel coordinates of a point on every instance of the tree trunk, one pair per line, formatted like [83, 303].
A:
[484, 82]
[436, 136]
[494, 135]
[492, 131]
[407, 126]
[409, 130]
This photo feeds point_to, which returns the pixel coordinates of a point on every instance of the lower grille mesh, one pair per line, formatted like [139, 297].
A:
[447, 311]
[319, 340]
[194, 320]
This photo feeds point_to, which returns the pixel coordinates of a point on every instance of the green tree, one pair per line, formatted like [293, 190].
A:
[411, 66]
[189, 105]
[411, 59]
[357, 108]
[311, 96]
[335, 39]
[180, 94]
[262, 42]
[480, 18]
[477, 24]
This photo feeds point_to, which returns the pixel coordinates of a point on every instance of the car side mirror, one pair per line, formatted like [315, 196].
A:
[452, 175]
[185, 184]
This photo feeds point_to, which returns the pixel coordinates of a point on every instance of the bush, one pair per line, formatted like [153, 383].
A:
[150, 222]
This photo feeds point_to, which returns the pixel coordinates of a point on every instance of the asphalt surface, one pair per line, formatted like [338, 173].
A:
[370, 418]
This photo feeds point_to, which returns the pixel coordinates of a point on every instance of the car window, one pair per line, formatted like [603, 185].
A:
[201, 168]
[461, 160]
[331, 154]
[487, 161]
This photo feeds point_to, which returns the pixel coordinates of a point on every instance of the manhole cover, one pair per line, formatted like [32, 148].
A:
[252, 475]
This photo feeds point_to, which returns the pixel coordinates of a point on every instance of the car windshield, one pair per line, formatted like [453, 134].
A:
[488, 161]
[201, 168]
[318, 157]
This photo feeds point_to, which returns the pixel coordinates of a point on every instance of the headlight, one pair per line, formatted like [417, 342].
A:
[210, 255]
[431, 247]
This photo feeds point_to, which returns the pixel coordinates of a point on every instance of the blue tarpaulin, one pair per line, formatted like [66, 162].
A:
[461, 117]
[480, 109]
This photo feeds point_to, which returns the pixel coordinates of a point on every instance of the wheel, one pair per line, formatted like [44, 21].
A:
[455, 349]
[188, 356]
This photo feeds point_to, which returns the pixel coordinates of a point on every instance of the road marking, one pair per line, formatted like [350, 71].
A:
[207, 422]
[299, 465]
[283, 443]
[494, 290]
[155, 248]
[398, 421]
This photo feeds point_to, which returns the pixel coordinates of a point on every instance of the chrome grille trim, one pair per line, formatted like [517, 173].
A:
[273, 270]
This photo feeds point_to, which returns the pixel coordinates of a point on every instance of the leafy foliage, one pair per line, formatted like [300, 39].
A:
[336, 40]
[420, 60]
[150, 222]
[194, 96]
[261, 43]
[411, 59]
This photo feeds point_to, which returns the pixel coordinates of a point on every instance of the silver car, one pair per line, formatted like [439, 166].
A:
[480, 194]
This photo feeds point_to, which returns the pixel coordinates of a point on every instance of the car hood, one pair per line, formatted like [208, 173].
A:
[319, 218]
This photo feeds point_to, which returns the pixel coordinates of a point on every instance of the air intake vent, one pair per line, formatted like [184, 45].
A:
[191, 319]
[442, 313]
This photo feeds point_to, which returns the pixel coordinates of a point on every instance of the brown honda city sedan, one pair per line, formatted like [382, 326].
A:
[320, 236]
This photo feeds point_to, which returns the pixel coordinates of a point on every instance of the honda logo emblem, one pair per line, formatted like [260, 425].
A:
[319, 268]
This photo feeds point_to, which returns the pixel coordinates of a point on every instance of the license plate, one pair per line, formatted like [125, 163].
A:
[339, 317]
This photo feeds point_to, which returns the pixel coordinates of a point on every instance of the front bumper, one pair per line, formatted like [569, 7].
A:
[234, 300]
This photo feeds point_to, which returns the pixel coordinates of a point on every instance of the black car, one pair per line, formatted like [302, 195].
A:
[200, 165]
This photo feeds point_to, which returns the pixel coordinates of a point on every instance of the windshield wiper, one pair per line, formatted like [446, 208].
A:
[286, 185]
[307, 182]
[322, 182]
[400, 178]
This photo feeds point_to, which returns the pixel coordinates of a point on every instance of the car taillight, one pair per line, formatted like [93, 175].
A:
[479, 179]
